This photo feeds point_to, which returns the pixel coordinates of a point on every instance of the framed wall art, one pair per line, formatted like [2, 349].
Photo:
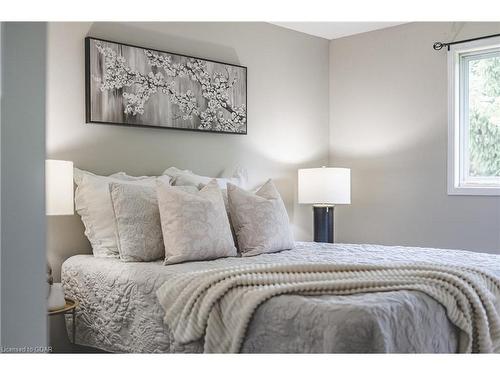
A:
[135, 86]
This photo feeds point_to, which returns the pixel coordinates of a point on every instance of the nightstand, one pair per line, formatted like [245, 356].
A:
[69, 308]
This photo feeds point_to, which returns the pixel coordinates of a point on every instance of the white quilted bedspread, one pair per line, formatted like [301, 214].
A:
[120, 312]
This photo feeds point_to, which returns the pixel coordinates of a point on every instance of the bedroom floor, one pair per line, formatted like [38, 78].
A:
[59, 341]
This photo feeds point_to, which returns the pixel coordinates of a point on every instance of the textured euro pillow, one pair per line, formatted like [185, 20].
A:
[195, 225]
[93, 204]
[188, 178]
[260, 220]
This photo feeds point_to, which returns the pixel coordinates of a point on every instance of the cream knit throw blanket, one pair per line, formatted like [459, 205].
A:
[217, 305]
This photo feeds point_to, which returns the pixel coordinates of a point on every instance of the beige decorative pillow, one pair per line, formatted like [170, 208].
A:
[137, 222]
[260, 220]
[195, 225]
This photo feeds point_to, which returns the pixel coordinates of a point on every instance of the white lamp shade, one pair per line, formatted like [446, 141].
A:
[325, 186]
[59, 187]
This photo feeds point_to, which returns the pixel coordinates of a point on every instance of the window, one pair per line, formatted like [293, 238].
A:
[474, 118]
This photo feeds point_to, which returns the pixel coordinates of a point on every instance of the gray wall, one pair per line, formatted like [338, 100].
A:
[23, 264]
[287, 112]
[388, 122]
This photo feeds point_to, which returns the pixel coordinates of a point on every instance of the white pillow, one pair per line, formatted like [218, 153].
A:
[188, 178]
[93, 204]
[195, 225]
[125, 177]
[78, 175]
[174, 172]
[260, 220]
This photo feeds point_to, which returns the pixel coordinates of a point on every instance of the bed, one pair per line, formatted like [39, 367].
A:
[119, 310]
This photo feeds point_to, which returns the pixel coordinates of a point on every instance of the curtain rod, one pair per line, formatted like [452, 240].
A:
[439, 45]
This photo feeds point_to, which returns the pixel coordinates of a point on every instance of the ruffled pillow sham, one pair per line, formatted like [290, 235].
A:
[93, 204]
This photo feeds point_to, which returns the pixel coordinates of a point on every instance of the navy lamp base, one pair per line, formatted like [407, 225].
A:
[323, 223]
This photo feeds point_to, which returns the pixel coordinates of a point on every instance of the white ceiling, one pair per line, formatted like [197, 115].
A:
[334, 30]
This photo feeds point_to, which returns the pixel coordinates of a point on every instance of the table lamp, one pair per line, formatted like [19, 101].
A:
[59, 187]
[58, 201]
[324, 188]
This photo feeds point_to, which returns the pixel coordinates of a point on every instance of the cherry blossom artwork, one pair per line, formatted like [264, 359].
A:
[135, 86]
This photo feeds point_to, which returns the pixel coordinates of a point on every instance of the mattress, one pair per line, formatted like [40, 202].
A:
[119, 310]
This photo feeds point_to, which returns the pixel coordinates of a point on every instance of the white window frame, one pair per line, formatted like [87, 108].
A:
[458, 184]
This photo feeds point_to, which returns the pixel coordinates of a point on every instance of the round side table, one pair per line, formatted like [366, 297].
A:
[69, 308]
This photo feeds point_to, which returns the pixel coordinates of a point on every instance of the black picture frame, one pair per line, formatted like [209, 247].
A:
[88, 90]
